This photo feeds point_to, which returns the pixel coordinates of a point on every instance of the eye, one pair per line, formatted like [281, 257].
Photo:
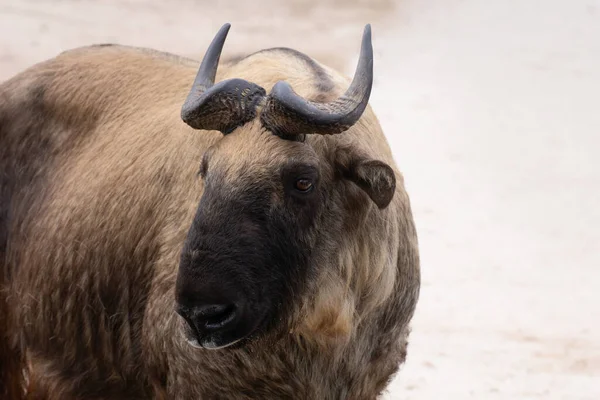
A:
[303, 185]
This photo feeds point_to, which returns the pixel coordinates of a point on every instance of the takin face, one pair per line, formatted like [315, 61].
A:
[270, 201]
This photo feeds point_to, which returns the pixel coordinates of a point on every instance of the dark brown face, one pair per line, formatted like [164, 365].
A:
[249, 248]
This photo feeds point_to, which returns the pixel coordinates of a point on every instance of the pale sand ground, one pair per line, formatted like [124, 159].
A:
[492, 112]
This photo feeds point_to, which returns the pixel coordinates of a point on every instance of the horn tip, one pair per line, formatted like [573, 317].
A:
[225, 27]
[367, 44]
[366, 39]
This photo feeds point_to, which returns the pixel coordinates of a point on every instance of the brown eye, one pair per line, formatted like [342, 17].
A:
[303, 185]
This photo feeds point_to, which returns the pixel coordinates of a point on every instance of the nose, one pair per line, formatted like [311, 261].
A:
[208, 319]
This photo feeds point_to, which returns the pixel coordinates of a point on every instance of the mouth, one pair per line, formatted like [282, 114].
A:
[216, 340]
[213, 341]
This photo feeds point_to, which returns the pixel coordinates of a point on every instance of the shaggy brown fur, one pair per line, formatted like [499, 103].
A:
[98, 188]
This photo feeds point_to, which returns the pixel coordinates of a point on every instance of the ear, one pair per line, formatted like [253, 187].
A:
[374, 177]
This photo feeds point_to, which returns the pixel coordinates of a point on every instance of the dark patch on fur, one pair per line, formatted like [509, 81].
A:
[6, 185]
[23, 153]
[19, 175]
[32, 135]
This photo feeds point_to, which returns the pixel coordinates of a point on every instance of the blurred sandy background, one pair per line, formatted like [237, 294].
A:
[492, 111]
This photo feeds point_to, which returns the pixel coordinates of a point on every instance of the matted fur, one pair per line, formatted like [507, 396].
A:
[99, 187]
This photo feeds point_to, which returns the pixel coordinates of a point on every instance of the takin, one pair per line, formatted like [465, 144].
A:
[248, 238]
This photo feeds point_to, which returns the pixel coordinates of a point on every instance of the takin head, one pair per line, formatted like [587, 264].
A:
[272, 204]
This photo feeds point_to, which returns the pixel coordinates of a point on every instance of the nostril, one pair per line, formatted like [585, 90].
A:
[214, 316]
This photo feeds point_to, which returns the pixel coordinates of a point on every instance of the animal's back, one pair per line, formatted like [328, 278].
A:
[93, 157]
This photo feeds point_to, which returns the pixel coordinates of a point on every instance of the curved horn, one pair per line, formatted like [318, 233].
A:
[287, 114]
[223, 106]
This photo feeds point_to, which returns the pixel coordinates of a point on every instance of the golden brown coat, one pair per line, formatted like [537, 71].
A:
[99, 187]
